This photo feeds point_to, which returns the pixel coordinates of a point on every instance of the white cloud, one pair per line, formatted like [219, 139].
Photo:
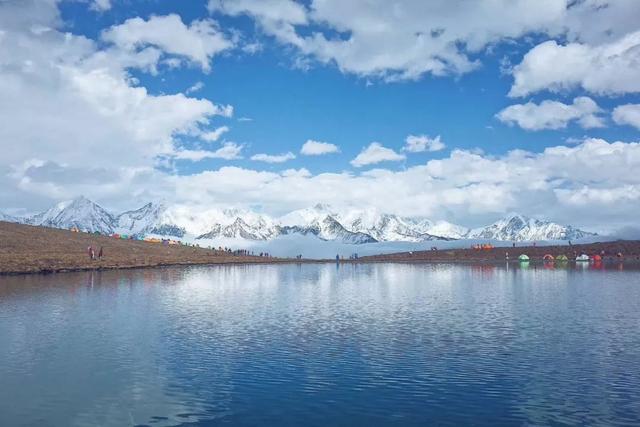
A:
[196, 87]
[71, 101]
[198, 42]
[228, 151]
[278, 17]
[318, 148]
[376, 153]
[422, 143]
[101, 5]
[553, 114]
[628, 114]
[215, 134]
[405, 40]
[252, 48]
[270, 158]
[607, 69]
[587, 185]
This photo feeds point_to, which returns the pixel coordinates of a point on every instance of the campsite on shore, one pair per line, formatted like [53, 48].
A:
[34, 249]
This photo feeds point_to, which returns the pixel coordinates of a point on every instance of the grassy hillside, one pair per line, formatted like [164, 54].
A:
[29, 249]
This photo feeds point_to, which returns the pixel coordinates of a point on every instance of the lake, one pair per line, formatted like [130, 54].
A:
[383, 344]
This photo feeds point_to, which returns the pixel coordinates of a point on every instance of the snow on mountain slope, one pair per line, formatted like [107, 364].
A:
[352, 226]
[9, 218]
[517, 227]
[140, 221]
[322, 222]
[80, 212]
[245, 225]
[384, 227]
[441, 228]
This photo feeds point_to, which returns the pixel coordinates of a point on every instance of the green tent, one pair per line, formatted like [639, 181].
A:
[523, 257]
[562, 258]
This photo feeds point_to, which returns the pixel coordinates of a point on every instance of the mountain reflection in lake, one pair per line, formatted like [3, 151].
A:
[387, 344]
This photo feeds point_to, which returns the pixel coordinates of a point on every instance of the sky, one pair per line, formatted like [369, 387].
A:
[456, 110]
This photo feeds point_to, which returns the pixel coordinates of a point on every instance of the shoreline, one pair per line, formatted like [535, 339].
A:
[46, 271]
[26, 249]
[287, 261]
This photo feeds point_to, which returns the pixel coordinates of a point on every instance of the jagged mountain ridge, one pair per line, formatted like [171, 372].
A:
[515, 227]
[79, 213]
[321, 221]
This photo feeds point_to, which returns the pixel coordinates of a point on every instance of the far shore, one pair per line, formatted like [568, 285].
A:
[613, 251]
[26, 249]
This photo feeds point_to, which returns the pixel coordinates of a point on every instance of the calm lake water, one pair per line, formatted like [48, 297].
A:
[322, 345]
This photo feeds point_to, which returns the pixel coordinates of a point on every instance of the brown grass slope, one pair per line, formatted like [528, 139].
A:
[29, 249]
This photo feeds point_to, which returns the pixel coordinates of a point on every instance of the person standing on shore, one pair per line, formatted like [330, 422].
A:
[100, 253]
[89, 252]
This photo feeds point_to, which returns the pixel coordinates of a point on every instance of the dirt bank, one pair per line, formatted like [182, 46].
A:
[29, 249]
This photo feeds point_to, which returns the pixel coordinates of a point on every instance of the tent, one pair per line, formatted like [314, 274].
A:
[523, 257]
[562, 258]
[596, 258]
[548, 257]
[582, 258]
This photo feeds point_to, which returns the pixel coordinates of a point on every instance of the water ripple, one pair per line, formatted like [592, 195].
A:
[379, 344]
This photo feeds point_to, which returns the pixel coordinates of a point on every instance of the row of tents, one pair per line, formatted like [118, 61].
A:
[564, 258]
[134, 237]
[146, 239]
[482, 246]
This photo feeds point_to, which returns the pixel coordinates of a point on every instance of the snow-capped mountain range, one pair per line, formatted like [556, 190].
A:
[321, 221]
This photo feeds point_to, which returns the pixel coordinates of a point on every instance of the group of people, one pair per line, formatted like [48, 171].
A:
[92, 253]
[243, 252]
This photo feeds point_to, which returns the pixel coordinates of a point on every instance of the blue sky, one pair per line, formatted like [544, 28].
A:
[147, 80]
[288, 105]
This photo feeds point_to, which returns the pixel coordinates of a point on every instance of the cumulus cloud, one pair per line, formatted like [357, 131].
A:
[628, 114]
[607, 69]
[215, 134]
[408, 39]
[197, 42]
[228, 151]
[72, 101]
[376, 153]
[553, 114]
[422, 143]
[270, 158]
[196, 87]
[587, 185]
[318, 148]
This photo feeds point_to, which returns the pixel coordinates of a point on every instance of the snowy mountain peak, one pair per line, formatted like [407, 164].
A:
[79, 213]
[140, 221]
[321, 220]
[322, 207]
[517, 227]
